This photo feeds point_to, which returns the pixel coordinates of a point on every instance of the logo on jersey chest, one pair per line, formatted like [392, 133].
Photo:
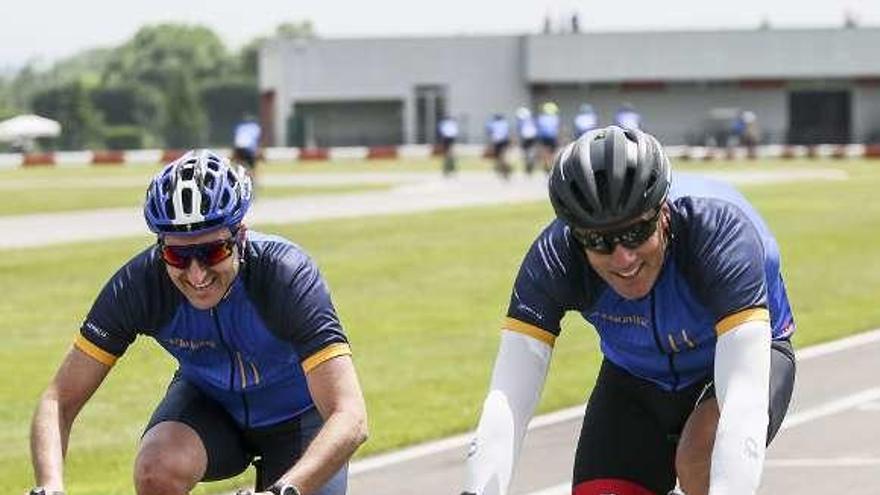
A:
[190, 345]
[637, 320]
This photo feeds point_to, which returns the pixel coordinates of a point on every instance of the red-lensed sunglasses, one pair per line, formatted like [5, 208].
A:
[207, 254]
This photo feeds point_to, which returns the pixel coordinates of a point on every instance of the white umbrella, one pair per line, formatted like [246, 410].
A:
[25, 127]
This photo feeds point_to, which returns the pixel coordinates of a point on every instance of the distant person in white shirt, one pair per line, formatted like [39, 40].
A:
[627, 117]
[527, 132]
[585, 120]
[246, 142]
[447, 132]
[498, 130]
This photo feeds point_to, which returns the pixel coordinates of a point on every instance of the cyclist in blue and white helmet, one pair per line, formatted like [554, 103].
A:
[258, 343]
[199, 191]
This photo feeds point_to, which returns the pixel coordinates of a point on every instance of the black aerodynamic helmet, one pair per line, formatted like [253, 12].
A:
[608, 176]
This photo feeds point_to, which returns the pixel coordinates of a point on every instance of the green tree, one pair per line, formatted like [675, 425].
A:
[156, 54]
[7, 108]
[132, 105]
[186, 125]
[70, 105]
[225, 103]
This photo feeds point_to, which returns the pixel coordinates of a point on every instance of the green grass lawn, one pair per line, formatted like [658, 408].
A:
[422, 297]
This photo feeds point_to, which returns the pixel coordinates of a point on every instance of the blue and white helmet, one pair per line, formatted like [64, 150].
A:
[198, 192]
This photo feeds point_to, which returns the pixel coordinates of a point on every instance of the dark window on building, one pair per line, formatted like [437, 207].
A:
[430, 108]
[818, 117]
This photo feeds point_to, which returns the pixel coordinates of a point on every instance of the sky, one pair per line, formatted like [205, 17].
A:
[46, 30]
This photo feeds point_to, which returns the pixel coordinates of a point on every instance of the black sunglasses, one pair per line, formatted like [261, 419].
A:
[630, 237]
[207, 254]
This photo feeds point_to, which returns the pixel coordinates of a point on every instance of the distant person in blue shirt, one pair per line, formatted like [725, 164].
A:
[246, 142]
[627, 117]
[527, 132]
[498, 131]
[548, 132]
[745, 129]
[447, 133]
[585, 120]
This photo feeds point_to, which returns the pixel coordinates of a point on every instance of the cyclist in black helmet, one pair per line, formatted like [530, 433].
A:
[681, 279]
[264, 375]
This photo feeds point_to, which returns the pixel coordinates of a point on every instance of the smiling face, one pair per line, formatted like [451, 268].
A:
[632, 272]
[203, 286]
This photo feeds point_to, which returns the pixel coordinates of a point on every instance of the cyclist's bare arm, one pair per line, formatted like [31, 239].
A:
[337, 394]
[74, 383]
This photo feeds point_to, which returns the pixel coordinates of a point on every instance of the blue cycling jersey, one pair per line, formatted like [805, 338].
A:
[548, 125]
[722, 268]
[250, 352]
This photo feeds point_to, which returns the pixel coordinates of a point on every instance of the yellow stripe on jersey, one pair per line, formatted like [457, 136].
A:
[329, 352]
[732, 321]
[524, 328]
[94, 351]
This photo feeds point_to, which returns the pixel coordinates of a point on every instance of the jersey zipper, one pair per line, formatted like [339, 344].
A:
[232, 368]
[670, 355]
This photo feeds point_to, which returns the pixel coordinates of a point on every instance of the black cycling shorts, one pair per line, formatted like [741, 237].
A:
[631, 426]
[549, 142]
[499, 148]
[231, 449]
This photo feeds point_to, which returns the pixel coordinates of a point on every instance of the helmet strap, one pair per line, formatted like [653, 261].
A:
[240, 233]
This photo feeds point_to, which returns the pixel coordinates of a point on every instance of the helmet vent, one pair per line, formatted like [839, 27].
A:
[580, 198]
[652, 180]
[186, 197]
[224, 200]
[186, 173]
[206, 204]
[210, 181]
[628, 182]
[601, 177]
[169, 208]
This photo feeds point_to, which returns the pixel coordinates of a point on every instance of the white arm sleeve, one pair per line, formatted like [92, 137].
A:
[742, 387]
[517, 381]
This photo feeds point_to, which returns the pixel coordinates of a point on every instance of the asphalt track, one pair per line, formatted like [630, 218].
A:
[830, 442]
[413, 192]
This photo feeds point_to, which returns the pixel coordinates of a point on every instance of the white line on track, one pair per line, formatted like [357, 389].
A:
[459, 441]
[820, 350]
[830, 408]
